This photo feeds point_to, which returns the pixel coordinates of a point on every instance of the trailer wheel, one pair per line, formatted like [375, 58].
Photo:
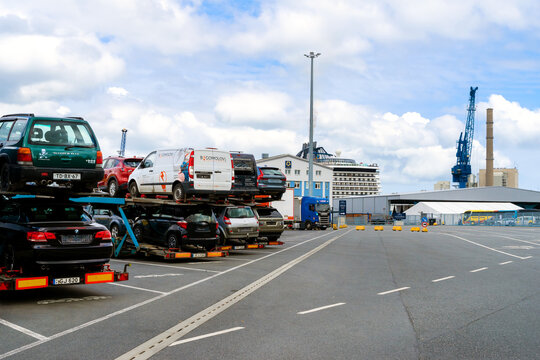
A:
[178, 193]
[323, 228]
[172, 241]
[308, 225]
[8, 258]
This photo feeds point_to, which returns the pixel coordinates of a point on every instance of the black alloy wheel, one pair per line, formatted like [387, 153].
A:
[115, 230]
[172, 241]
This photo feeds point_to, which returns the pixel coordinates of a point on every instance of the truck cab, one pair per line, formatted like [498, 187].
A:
[312, 212]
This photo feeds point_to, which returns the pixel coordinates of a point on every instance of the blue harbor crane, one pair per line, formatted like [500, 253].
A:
[122, 150]
[462, 169]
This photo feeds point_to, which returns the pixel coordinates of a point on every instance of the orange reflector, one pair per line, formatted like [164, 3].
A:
[182, 255]
[97, 278]
[214, 254]
[31, 283]
[226, 248]
[252, 246]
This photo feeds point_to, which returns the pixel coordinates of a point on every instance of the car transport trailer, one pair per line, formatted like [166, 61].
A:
[55, 271]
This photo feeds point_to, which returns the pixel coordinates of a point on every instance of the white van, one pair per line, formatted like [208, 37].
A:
[182, 173]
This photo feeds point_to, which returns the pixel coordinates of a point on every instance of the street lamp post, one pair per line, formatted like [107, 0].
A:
[312, 56]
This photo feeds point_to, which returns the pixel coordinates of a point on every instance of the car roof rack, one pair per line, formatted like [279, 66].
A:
[12, 115]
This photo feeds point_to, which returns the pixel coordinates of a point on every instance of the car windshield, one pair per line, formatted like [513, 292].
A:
[132, 162]
[271, 171]
[243, 166]
[54, 212]
[323, 207]
[240, 213]
[266, 212]
[61, 133]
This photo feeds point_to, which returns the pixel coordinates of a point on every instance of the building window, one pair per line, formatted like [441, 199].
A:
[296, 172]
[297, 185]
[317, 185]
[307, 172]
[318, 172]
[288, 184]
[287, 171]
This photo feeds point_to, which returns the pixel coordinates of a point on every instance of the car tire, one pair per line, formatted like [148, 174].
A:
[323, 228]
[221, 239]
[112, 188]
[276, 197]
[137, 231]
[308, 225]
[172, 241]
[134, 190]
[8, 260]
[178, 193]
[115, 231]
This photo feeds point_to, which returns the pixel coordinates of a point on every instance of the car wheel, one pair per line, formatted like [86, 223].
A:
[115, 230]
[137, 231]
[4, 178]
[178, 193]
[276, 197]
[308, 225]
[323, 228]
[112, 188]
[221, 239]
[133, 190]
[172, 241]
[8, 258]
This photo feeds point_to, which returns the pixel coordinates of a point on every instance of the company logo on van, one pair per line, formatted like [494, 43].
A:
[213, 158]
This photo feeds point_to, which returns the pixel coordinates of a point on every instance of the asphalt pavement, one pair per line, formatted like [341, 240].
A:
[450, 293]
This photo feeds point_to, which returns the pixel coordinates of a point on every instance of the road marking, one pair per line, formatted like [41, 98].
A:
[149, 301]
[163, 265]
[511, 238]
[161, 341]
[484, 246]
[206, 336]
[320, 308]
[477, 270]
[506, 262]
[442, 279]
[137, 288]
[527, 257]
[393, 291]
[155, 276]
[23, 330]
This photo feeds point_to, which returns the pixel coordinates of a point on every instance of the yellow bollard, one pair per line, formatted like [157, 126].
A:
[396, 228]
[424, 230]
[360, 227]
[334, 226]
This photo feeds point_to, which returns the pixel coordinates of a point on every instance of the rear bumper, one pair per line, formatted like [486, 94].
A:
[23, 173]
[51, 255]
[271, 189]
[240, 190]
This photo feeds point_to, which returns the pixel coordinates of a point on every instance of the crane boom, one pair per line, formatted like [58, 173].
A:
[462, 169]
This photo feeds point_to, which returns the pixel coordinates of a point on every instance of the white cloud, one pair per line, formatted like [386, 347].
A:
[117, 91]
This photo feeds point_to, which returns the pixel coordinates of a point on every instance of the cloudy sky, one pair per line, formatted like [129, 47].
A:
[391, 85]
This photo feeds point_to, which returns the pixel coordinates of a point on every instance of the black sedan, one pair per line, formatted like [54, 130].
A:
[43, 234]
[177, 227]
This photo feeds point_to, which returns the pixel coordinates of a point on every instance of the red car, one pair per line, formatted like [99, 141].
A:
[117, 170]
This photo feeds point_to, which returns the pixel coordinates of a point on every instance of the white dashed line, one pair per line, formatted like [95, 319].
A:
[477, 270]
[206, 336]
[525, 258]
[23, 330]
[155, 276]
[393, 291]
[137, 288]
[506, 262]
[442, 279]
[320, 308]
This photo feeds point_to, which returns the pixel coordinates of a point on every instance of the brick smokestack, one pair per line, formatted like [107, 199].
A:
[489, 148]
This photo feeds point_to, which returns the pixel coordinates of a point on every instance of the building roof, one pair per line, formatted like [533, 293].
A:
[436, 207]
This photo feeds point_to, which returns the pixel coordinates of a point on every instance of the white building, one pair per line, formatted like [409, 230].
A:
[296, 170]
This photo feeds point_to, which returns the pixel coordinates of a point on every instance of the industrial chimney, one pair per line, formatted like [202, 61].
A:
[489, 148]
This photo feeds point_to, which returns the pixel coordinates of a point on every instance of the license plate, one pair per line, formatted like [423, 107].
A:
[76, 239]
[239, 247]
[66, 176]
[199, 255]
[66, 281]
[274, 181]
[271, 223]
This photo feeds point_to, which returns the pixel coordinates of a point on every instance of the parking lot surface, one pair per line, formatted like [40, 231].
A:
[453, 292]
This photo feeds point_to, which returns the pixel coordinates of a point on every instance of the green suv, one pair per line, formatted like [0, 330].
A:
[47, 150]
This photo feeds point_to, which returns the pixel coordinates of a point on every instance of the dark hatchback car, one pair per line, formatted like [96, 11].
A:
[177, 227]
[108, 218]
[270, 222]
[117, 170]
[45, 234]
[271, 181]
[245, 175]
[46, 150]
